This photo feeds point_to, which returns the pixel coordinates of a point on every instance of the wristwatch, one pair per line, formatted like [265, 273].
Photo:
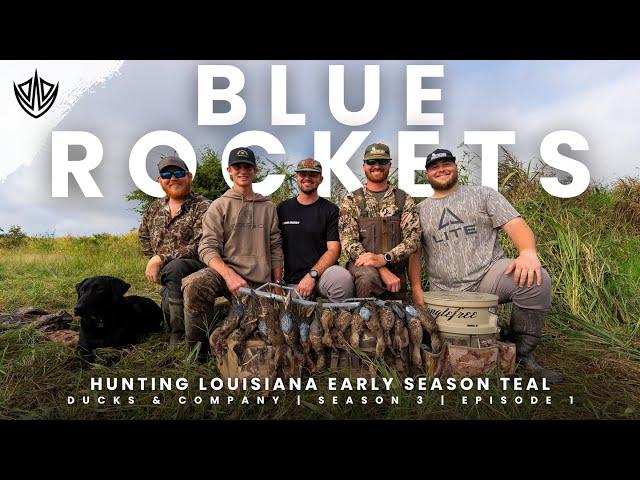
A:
[387, 257]
[313, 274]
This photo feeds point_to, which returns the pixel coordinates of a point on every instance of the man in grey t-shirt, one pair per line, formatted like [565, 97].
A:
[460, 226]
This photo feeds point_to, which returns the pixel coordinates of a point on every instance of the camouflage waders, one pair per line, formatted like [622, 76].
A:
[378, 235]
[369, 284]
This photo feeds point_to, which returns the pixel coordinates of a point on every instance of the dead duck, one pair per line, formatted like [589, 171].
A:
[357, 324]
[248, 325]
[327, 319]
[429, 324]
[415, 340]
[304, 317]
[315, 337]
[387, 320]
[342, 322]
[220, 334]
[373, 324]
[275, 337]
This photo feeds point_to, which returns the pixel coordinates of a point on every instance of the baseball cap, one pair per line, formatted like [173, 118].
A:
[309, 165]
[242, 155]
[172, 161]
[439, 154]
[377, 151]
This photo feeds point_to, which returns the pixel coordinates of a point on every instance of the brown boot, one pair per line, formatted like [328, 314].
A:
[526, 329]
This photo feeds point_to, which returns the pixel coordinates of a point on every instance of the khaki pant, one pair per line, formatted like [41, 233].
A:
[533, 298]
[335, 283]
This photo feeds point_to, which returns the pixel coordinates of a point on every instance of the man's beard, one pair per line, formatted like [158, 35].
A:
[444, 186]
[307, 190]
[177, 194]
[371, 179]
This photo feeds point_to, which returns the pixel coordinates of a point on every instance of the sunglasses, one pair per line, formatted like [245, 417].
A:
[381, 161]
[166, 175]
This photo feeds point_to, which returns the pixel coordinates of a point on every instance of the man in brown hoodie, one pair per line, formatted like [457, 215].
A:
[241, 246]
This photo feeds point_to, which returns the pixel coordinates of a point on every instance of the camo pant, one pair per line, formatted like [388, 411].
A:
[200, 290]
[369, 284]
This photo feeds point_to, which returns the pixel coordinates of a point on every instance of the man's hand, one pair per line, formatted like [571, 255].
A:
[417, 296]
[152, 271]
[390, 280]
[527, 265]
[371, 259]
[234, 282]
[306, 286]
[525, 268]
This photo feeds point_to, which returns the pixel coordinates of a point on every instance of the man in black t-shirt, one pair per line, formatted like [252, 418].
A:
[310, 239]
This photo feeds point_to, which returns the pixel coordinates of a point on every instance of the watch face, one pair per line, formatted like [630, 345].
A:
[313, 274]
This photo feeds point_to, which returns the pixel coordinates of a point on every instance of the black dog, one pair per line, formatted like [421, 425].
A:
[109, 319]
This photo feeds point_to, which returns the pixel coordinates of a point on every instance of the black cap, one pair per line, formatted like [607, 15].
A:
[172, 161]
[439, 154]
[242, 155]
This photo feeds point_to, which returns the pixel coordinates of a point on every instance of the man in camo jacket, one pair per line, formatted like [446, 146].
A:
[170, 233]
[379, 230]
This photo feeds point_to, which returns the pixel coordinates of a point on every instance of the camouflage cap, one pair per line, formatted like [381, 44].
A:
[309, 165]
[172, 161]
[377, 151]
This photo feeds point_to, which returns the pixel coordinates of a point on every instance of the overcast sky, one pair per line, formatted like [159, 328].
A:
[119, 102]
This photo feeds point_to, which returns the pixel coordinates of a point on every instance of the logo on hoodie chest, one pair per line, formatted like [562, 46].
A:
[246, 220]
[248, 225]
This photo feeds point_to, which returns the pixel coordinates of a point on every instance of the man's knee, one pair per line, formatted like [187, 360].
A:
[546, 280]
[178, 268]
[367, 281]
[337, 283]
[365, 275]
[536, 297]
[200, 289]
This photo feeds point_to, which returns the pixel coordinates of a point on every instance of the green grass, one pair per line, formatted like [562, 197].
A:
[590, 245]
[44, 271]
[593, 257]
[38, 376]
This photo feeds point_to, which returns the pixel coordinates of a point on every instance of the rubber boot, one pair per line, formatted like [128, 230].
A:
[196, 334]
[176, 321]
[526, 329]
